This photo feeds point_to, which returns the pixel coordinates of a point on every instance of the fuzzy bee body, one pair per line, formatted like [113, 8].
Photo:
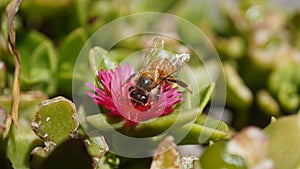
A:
[158, 68]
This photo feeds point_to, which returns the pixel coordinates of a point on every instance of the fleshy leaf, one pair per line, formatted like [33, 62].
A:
[41, 74]
[284, 82]
[40, 60]
[109, 161]
[267, 103]
[38, 156]
[23, 140]
[205, 95]
[68, 54]
[238, 94]
[232, 48]
[55, 120]
[216, 157]
[20, 145]
[211, 130]
[99, 60]
[284, 142]
[44, 9]
[96, 147]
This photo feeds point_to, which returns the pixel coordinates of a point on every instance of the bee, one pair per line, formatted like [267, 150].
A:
[158, 67]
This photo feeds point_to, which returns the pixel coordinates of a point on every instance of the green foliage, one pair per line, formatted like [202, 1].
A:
[284, 140]
[69, 51]
[258, 44]
[21, 141]
[39, 62]
[55, 120]
[99, 60]
[221, 158]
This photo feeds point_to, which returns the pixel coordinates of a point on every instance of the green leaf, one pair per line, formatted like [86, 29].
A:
[104, 121]
[161, 124]
[82, 11]
[211, 130]
[288, 96]
[96, 146]
[39, 9]
[55, 120]
[19, 146]
[203, 129]
[267, 103]
[3, 3]
[233, 48]
[109, 161]
[284, 142]
[69, 51]
[216, 157]
[99, 60]
[284, 83]
[205, 95]
[38, 156]
[42, 71]
[238, 94]
[23, 140]
[39, 61]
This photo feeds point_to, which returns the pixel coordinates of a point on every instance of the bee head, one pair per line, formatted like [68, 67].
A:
[138, 96]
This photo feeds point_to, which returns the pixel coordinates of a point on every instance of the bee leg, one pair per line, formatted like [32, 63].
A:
[180, 83]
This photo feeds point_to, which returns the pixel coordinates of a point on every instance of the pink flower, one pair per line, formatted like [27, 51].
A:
[114, 96]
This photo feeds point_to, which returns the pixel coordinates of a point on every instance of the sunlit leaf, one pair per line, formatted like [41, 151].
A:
[210, 130]
[216, 157]
[283, 136]
[99, 60]
[55, 120]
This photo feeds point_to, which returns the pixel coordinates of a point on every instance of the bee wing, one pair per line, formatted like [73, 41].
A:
[153, 50]
[164, 67]
[177, 61]
[158, 58]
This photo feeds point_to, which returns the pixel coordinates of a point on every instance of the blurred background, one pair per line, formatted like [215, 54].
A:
[257, 41]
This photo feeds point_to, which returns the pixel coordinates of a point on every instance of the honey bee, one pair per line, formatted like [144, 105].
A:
[158, 67]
